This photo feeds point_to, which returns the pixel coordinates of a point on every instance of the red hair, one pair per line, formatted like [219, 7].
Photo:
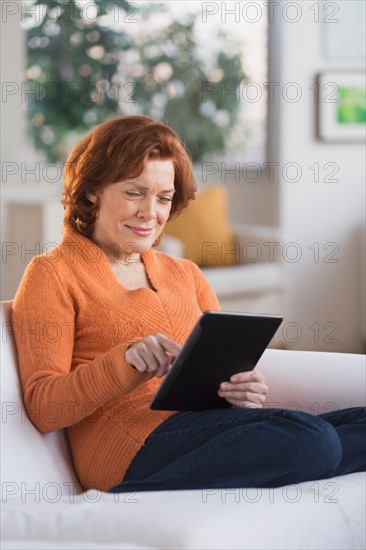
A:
[117, 150]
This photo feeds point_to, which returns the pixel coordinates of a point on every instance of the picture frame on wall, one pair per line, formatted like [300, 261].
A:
[342, 106]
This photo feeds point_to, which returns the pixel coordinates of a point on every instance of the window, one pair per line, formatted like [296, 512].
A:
[198, 66]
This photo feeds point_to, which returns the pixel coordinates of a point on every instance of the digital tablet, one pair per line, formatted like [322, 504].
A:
[221, 344]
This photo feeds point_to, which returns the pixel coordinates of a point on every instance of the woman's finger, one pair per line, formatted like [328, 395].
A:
[155, 355]
[245, 404]
[253, 387]
[168, 344]
[243, 396]
[133, 357]
[149, 354]
[250, 376]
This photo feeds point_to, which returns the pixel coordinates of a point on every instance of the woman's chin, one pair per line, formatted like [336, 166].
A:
[136, 244]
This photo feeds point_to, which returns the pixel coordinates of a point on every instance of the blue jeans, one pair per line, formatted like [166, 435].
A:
[240, 448]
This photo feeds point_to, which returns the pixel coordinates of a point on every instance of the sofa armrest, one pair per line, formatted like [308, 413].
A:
[313, 382]
[258, 243]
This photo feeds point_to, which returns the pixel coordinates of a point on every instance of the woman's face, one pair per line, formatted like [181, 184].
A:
[132, 213]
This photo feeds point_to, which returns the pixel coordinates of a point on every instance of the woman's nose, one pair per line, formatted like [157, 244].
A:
[147, 210]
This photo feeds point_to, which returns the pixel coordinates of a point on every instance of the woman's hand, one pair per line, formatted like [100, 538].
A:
[245, 389]
[153, 354]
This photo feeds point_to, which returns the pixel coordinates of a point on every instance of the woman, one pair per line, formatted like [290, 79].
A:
[100, 318]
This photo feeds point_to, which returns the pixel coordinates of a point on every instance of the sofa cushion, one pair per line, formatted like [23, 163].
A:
[324, 514]
[204, 229]
[29, 458]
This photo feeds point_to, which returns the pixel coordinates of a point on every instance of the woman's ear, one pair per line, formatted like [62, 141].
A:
[91, 196]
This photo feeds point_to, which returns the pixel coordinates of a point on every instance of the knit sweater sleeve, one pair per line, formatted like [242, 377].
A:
[43, 319]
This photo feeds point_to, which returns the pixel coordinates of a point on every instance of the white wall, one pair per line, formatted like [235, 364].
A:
[13, 123]
[31, 214]
[317, 293]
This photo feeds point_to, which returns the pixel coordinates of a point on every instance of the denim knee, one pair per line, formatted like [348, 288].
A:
[320, 448]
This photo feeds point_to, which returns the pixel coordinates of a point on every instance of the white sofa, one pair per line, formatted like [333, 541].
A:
[44, 507]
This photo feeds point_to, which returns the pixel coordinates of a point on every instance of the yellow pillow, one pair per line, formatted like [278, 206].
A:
[204, 229]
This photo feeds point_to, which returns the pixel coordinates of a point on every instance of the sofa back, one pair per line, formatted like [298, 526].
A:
[30, 460]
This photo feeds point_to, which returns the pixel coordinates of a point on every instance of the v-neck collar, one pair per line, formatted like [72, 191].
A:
[147, 265]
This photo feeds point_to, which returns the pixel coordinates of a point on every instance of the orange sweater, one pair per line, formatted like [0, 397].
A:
[73, 322]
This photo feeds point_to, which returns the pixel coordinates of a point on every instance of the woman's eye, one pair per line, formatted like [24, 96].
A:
[137, 195]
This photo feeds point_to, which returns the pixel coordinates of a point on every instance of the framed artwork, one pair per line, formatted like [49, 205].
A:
[342, 106]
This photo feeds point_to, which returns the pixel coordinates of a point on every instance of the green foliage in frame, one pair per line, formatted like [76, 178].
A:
[80, 75]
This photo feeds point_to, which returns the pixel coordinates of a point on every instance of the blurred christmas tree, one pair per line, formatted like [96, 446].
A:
[84, 69]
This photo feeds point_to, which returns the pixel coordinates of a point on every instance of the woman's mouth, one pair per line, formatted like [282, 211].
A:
[141, 231]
